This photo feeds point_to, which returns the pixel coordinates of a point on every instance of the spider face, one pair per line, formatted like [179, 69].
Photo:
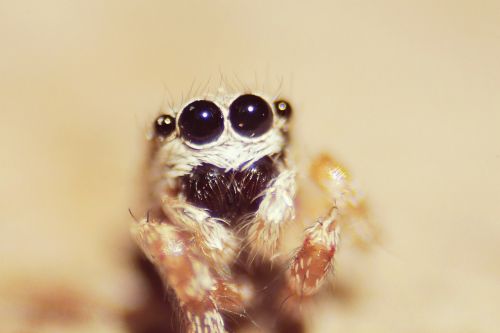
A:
[221, 154]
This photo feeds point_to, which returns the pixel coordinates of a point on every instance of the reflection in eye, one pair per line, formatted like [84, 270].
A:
[250, 116]
[201, 122]
[164, 125]
[283, 108]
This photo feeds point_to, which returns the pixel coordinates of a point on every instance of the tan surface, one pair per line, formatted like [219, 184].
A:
[406, 92]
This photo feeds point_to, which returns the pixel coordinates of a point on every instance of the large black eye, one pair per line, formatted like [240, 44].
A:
[250, 115]
[201, 122]
[164, 125]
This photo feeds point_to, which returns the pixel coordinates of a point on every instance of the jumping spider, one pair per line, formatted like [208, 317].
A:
[223, 188]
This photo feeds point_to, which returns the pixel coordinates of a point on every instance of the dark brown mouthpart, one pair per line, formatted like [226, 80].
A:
[232, 195]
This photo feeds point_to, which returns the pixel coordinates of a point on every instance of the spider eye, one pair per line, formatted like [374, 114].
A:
[283, 108]
[201, 122]
[250, 115]
[164, 125]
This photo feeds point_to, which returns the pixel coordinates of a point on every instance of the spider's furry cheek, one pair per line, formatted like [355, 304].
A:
[229, 194]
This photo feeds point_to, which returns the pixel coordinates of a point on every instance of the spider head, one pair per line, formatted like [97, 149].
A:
[222, 152]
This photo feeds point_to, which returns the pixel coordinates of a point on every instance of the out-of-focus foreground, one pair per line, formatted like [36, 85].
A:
[405, 93]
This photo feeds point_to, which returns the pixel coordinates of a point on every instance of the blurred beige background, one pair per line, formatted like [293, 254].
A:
[406, 93]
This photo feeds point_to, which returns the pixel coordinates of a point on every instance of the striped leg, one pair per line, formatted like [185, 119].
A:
[314, 260]
[200, 291]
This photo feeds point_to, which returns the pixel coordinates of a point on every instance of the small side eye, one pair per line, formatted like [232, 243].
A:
[201, 122]
[250, 116]
[164, 125]
[283, 108]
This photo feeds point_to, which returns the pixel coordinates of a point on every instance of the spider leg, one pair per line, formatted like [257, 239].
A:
[340, 188]
[217, 243]
[202, 293]
[314, 260]
[277, 207]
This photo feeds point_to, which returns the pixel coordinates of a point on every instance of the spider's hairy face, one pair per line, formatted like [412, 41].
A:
[221, 153]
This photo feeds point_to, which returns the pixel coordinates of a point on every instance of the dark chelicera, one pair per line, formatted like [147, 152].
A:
[231, 195]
